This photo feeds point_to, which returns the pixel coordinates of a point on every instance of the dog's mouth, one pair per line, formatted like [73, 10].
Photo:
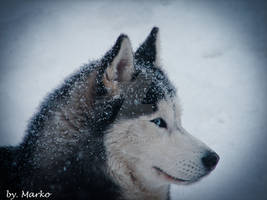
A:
[168, 176]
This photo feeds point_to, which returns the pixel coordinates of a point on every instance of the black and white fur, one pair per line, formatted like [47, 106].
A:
[111, 131]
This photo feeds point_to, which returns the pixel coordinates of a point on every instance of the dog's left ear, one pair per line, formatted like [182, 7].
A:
[148, 52]
[120, 68]
[116, 67]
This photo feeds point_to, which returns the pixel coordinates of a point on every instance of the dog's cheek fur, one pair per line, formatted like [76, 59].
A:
[127, 143]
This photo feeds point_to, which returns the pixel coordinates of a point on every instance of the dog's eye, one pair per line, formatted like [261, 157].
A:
[159, 122]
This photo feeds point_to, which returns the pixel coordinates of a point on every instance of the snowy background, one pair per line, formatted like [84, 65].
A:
[214, 51]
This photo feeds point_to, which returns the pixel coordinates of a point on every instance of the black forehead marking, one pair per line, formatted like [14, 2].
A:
[149, 86]
[160, 87]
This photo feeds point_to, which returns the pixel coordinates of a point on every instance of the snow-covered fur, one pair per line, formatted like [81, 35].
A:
[111, 131]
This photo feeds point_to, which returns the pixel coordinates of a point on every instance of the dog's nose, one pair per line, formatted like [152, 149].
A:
[210, 160]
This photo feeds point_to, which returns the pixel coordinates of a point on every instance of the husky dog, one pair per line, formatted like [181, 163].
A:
[111, 131]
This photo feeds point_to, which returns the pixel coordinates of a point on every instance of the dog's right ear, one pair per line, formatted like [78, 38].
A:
[148, 52]
[117, 64]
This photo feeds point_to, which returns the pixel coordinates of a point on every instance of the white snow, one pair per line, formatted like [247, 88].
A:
[213, 51]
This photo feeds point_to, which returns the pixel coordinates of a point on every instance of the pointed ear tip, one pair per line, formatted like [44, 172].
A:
[123, 37]
[155, 30]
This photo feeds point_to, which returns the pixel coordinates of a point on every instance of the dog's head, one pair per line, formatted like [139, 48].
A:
[147, 136]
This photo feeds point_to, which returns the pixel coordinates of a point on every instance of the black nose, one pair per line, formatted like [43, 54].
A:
[210, 160]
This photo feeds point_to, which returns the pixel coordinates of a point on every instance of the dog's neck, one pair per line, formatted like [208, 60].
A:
[138, 192]
[132, 187]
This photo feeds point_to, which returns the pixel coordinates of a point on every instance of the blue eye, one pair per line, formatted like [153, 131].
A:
[159, 122]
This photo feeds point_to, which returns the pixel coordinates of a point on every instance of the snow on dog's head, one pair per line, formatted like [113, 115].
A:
[147, 143]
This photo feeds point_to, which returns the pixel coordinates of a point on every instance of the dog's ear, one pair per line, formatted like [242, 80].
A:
[120, 67]
[148, 52]
[116, 67]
